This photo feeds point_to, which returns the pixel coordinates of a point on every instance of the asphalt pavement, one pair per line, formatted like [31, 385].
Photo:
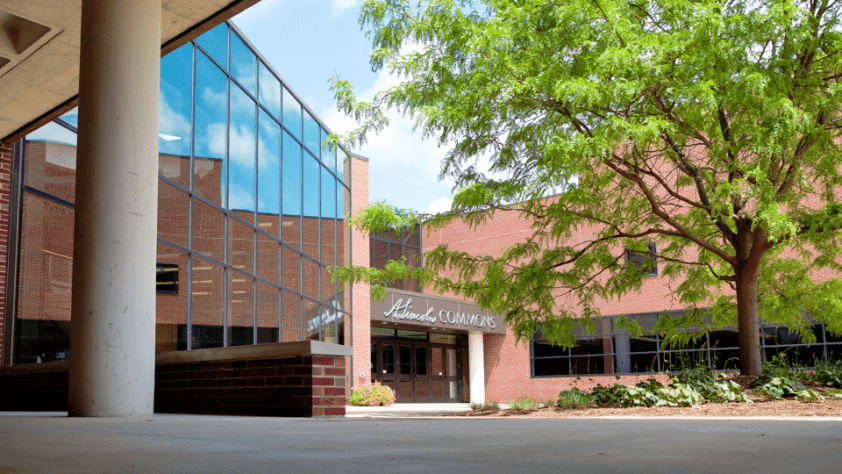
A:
[208, 444]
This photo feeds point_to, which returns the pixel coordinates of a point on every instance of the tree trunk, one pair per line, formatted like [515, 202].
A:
[748, 324]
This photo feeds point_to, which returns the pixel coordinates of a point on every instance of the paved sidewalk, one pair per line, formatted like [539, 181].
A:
[52, 442]
[407, 410]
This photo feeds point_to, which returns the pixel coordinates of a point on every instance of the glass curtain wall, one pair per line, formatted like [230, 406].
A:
[392, 245]
[251, 213]
[611, 350]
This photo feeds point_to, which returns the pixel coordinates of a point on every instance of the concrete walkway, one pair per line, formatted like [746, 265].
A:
[208, 444]
[407, 410]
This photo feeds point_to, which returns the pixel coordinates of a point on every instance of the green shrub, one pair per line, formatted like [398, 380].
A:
[523, 404]
[778, 387]
[573, 398]
[485, 406]
[712, 385]
[372, 395]
[808, 395]
[678, 395]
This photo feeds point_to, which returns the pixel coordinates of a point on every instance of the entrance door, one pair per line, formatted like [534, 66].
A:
[412, 378]
[418, 372]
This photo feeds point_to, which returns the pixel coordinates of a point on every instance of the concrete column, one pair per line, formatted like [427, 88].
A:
[112, 342]
[476, 367]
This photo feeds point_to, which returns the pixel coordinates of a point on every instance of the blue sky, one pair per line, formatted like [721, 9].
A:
[307, 41]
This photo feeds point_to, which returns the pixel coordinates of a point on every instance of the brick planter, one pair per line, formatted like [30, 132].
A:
[305, 378]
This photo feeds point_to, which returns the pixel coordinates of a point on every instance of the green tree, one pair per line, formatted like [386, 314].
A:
[710, 128]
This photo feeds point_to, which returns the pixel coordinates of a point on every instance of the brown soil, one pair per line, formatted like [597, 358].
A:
[762, 407]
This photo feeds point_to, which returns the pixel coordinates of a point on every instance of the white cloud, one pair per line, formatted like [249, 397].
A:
[342, 5]
[404, 168]
[440, 205]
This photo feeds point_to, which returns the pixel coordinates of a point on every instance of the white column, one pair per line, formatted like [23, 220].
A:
[112, 342]
[476, 367]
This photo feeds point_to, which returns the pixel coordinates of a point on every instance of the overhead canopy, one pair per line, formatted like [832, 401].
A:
[39, 53]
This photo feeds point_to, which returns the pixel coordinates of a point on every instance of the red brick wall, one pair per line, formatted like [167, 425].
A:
[5, 183]
[507, 365]
[362, 299]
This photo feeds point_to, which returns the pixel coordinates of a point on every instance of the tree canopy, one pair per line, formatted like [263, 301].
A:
[711, 128]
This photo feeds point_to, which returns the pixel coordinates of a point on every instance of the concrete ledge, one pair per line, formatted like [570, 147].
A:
[277, 350]
[29, 369]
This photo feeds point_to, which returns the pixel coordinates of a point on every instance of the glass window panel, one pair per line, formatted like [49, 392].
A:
[382, 332]
[311, 133]
[592, 355]
[72, 117]
[292, 270]
[311, 186]
[53, 133]
[420, 360]
[240, 309]
[328, 195]
[292, 114]
[548, 367]
[329, 290]
[328, 155]
[207, 305]
[270, 91]
[311, 279]
[173, 214]
[291, 317]
[312, 327]
[171, 308]
[50, 163]
[416, 335]
[345, 169]
[208, 230]
[240, 246]
[291, 230]
[243, 65]
[211, 140]
[341, 249]
[329, 319]
[328, 231]
[406, 360]
[269, 175]
[388, 359]
[215, 42]
[311, 237]
[242, 153]
[672, 361]
[379, 254]
[176, 102]
[268, 256]
[413, 259]
[46, 272]
[545, 349]
[267, 313]
[412, 238]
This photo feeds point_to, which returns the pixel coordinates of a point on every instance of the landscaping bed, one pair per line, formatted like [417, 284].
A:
[696, 393]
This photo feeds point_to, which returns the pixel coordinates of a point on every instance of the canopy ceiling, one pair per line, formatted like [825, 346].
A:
[39, 53]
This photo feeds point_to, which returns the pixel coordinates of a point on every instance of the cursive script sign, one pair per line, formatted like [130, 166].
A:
[434, 312]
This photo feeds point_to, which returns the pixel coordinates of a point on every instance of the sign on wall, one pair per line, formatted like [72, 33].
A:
[435, 312]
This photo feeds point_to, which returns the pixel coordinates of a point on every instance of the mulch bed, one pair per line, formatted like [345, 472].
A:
[762, 407]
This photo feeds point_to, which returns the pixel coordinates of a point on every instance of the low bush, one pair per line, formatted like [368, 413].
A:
[523, 404]
[573, 398]
[712, 385]
[778, 387]
[372, 395]
[485, 406]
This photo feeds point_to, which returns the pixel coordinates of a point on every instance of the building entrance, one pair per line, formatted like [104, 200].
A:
[418, 371]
